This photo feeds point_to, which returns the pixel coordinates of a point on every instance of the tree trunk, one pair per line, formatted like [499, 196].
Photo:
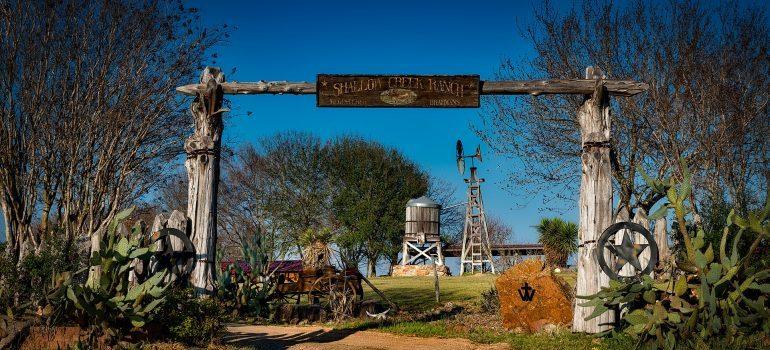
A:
[203, 150]
[11, 250]
[18, 230]
[371, 267]
[595, 201]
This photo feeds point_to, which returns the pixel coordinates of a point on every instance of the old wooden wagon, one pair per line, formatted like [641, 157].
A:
[319, 286]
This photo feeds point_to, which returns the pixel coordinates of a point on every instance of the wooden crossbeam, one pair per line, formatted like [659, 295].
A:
[420, 252]
[508, 87]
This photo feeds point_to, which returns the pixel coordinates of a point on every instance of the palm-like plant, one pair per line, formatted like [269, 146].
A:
[559, 239]
[316, 252]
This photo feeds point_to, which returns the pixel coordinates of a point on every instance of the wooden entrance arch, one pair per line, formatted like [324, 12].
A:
[203, 150]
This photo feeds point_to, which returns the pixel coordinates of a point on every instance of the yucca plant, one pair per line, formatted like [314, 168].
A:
[559, 239]
[247, 292]
[717, 296]
[316, 252]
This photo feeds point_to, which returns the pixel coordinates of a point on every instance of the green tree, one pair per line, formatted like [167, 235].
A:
[296, 194]
[559, 239]
[371, 185]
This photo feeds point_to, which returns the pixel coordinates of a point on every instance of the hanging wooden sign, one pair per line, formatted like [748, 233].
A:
[430, 91]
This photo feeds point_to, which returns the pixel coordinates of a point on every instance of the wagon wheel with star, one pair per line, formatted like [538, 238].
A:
[627, 252]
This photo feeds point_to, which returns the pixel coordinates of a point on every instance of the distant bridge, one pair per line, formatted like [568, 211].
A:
[500, 250]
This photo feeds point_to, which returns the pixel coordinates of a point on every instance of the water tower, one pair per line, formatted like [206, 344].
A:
[422, 232]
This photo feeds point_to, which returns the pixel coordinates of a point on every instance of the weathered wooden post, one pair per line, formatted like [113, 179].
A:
[623, 215]
[595, 200]
[435, 282]
[661, 238]
[203, 152]
[640, 217]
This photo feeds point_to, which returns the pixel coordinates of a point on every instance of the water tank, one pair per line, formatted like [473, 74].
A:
[422, 220]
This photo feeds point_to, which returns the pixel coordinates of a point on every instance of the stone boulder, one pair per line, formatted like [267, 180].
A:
[531, 296]
[419, 270]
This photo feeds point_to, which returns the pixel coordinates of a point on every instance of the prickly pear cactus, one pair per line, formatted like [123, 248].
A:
[717, 294]
[112, 306]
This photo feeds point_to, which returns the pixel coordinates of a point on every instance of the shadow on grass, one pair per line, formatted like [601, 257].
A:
[411, 299]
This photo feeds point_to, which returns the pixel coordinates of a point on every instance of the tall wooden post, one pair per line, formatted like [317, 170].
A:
[595, 200]
[661, 238]
[640, 217]
[623, 215]
[203, 152]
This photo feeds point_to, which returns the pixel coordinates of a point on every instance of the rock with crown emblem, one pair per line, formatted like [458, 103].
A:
[532, 296]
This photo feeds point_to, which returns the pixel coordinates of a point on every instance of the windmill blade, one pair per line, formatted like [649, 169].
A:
[478, 153]
[459, 149]
[461, 165]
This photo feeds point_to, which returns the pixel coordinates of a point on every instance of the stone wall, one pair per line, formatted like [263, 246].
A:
[419, 270]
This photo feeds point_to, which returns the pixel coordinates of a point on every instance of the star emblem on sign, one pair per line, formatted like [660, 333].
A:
[627, 252]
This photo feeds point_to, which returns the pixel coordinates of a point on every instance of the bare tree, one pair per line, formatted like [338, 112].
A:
[243, 203]
[499, 231]
[707, 67]
[172, 193]
[88, 112]
[452, 212]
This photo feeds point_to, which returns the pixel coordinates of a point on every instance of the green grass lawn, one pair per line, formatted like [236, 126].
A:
[416, 293]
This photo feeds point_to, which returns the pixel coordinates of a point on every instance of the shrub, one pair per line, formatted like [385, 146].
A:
[21, 283]
[719, 297]
[191, 320]
[490, 300]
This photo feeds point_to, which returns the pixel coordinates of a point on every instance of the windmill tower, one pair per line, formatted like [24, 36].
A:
[476, 249]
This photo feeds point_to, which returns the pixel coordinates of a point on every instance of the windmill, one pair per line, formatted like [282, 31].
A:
[476, 249]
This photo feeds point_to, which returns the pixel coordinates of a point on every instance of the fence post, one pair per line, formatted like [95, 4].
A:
[595, 200]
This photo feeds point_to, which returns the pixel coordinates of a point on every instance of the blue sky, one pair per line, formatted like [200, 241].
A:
[295, 40]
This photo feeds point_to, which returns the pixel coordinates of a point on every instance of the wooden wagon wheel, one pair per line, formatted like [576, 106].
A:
[319, 289]
[354, 281]
[343, 298]
[337, 294]
[179, 262]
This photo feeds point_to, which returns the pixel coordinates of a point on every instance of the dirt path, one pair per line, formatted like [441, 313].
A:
[319, 338]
